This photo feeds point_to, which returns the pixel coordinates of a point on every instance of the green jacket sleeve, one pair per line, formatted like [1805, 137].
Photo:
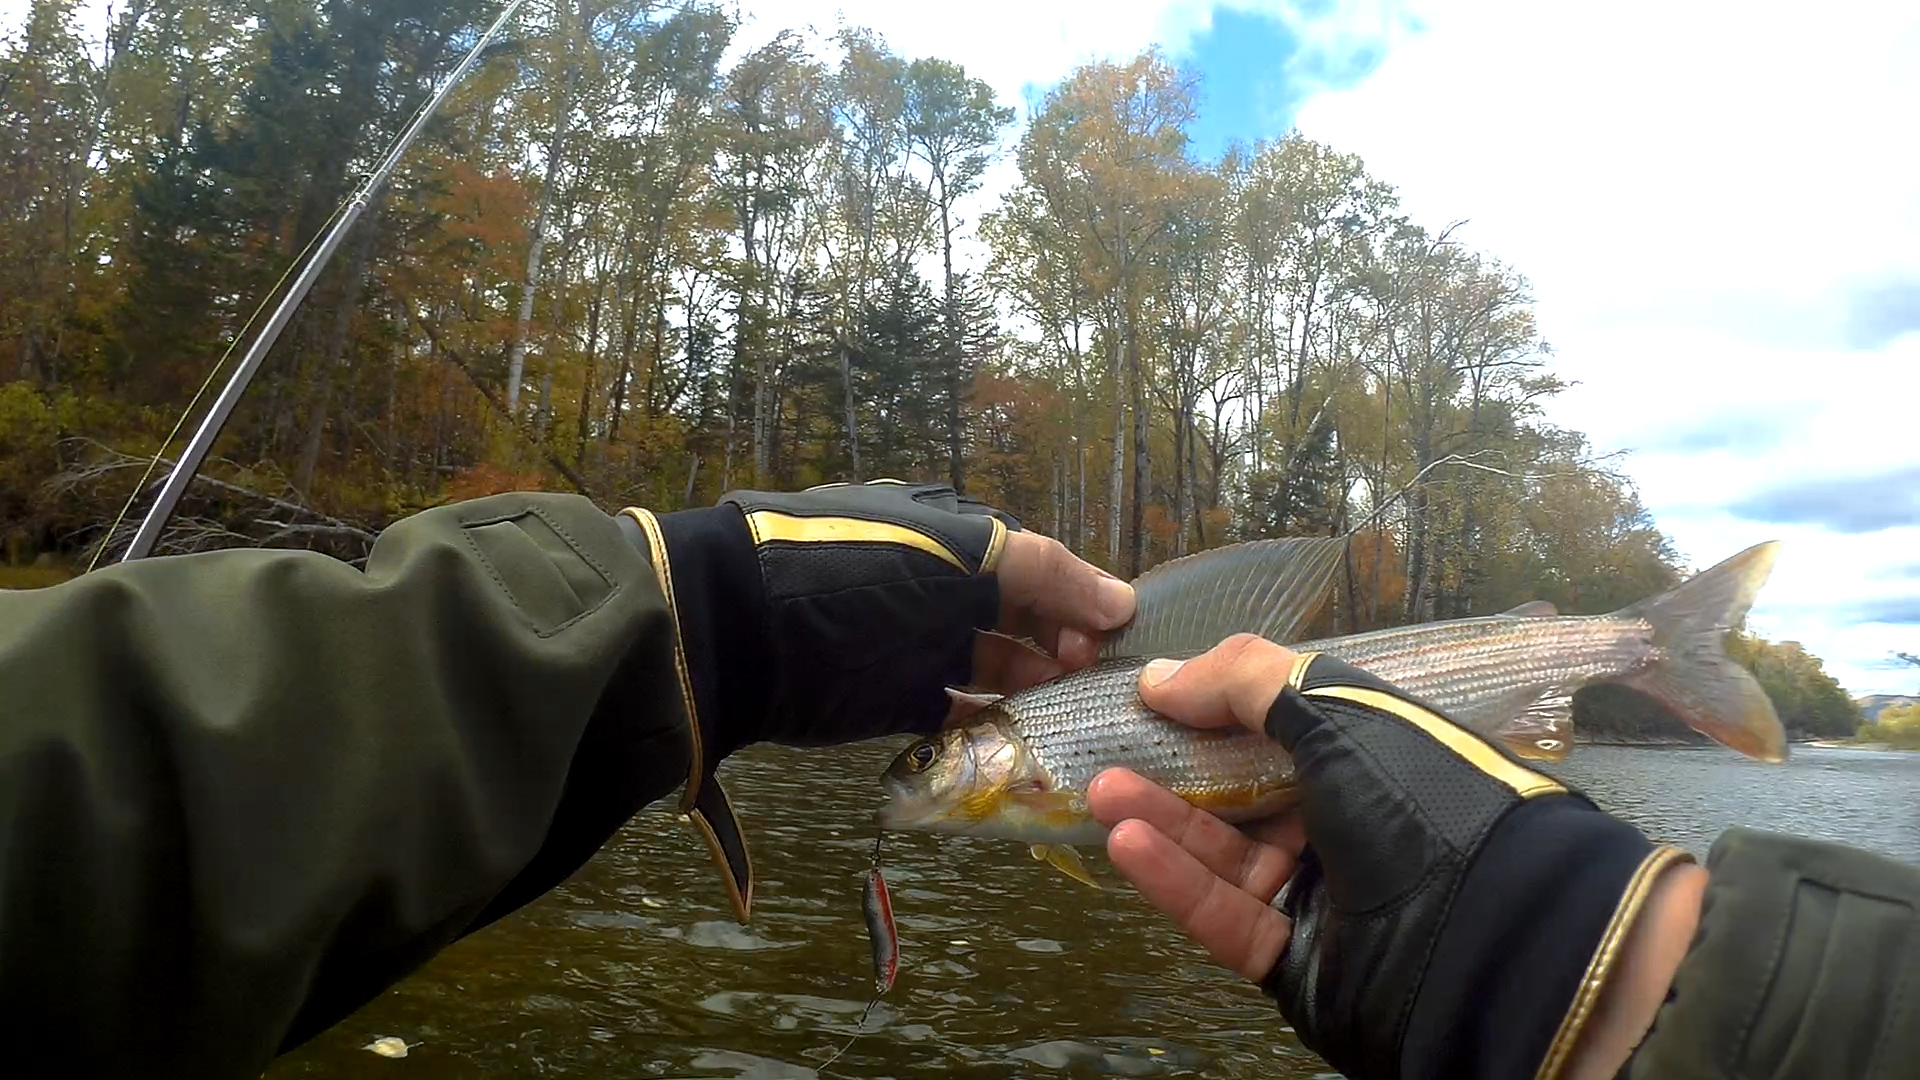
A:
[243, 792]
[1806, 966]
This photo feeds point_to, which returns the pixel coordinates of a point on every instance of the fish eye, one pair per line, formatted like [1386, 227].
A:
[922, 755]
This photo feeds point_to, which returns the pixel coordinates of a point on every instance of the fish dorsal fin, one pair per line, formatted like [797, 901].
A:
[1532, 609]
[1268, 587]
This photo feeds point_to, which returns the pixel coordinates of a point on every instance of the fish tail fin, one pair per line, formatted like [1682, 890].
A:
[1694, 676]
[1067, 861]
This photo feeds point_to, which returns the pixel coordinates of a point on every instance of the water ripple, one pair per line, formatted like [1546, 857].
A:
[635, 966]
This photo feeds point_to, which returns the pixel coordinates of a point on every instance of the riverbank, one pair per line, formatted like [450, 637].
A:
[1856, 744]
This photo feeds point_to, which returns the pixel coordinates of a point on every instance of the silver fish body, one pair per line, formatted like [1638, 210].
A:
[1020, 770]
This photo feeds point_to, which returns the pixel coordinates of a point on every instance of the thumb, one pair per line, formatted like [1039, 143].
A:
[1235, 682]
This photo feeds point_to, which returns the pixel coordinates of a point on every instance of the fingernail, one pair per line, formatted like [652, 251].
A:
[1159, 671]
[1115, 601]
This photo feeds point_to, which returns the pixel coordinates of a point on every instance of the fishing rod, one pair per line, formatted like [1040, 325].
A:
[216, 418]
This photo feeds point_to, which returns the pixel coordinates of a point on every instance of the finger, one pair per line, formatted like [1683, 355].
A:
[1004, 665]
[1038, 573]
[1238, 930]
[1076, 648]
[1259, 869]
[1233, 683]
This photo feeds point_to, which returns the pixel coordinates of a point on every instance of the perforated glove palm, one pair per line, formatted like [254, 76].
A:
[1451, 901]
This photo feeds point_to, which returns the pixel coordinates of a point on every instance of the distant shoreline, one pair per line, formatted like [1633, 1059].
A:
[1853, 744]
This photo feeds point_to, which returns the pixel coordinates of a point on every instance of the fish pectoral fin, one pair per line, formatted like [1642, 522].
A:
[1067, 861]
[1543, 730]
[966, 703]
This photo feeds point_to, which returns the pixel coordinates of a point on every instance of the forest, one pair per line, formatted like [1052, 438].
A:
[637, 259]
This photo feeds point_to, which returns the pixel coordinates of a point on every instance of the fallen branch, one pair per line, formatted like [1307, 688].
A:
[453, 356]
[189, 534]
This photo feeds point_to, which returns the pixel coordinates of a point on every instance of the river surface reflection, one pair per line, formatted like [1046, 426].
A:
[636, 968]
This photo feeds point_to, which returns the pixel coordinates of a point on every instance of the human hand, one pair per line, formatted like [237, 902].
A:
[1218, 882]
[1452, 911]
[845, 612]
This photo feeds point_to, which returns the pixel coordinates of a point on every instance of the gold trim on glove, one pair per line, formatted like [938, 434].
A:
[1525, 782]
[697, 768]
[770, 525]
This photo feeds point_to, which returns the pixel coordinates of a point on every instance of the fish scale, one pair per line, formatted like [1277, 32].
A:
[1092, 720]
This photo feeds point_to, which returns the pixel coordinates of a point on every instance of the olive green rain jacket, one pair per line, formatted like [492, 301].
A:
[242, 793]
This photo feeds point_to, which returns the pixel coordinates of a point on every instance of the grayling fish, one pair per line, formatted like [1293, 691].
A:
[1020, 769]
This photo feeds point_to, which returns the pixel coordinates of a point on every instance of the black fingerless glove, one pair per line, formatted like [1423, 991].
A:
[828, 616]
[832, 615]
[1455, 912]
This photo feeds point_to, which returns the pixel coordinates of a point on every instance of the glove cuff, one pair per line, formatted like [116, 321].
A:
[1530, 939]
[721, 606]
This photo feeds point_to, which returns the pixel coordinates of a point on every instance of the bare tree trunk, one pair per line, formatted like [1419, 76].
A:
[333, 359]
[1118, 494]
[1138, 386]
[586, 381]
[955, 339]
[693, 476]
[1080, 504]
[1179, 483]
[853, 422]
[517, 356]
[1193, 488]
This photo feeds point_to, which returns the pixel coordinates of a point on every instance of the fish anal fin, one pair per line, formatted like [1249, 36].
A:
[1532, 609]
[1543, 731]
[1067, 861]
[1490, 716]
[1272, 588]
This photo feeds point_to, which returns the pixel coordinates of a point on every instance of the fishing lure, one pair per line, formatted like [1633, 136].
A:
[876, 903]
[878, 906]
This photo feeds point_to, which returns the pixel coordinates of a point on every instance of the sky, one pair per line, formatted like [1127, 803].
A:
[1717, 205]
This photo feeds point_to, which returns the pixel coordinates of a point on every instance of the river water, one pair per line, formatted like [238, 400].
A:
[636, 968]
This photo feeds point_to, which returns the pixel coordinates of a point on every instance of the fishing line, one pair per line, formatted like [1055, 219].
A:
[207, 384]
[877, 906]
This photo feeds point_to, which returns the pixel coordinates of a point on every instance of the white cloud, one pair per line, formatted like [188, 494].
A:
[1697, 192]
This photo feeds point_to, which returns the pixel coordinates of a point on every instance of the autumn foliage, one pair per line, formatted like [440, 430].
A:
[629, 263]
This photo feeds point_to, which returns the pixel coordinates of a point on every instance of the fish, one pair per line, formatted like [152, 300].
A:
[1019, 767]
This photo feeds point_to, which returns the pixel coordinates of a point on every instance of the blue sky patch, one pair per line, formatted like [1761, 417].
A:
[1741, 433]
[1842, 504]
[1878, 314]
[1256, 70]
[1895, 610]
